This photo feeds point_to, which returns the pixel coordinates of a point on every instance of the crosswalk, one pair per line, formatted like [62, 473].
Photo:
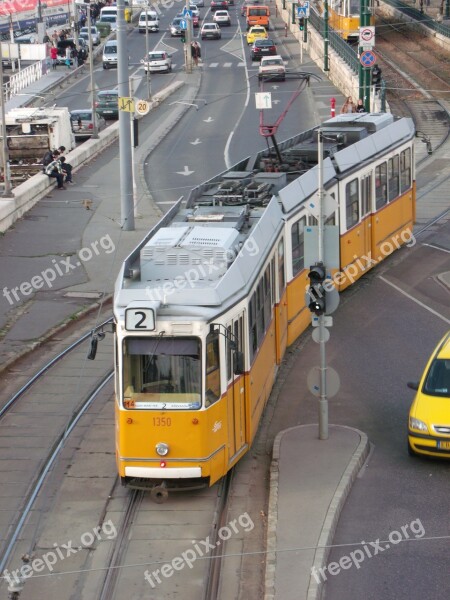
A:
[218, 65]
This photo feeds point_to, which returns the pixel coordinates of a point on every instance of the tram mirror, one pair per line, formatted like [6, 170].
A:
[238, 363]
[93, 349]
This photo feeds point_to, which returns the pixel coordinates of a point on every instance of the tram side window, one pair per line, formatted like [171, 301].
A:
[352, 203]
[405, 169]
[267, 298]
[393, 178]
[380, 185]
[212, 368]
[281, 278]
[229, 354]
[260, 321]
[298, 245]
[252, 326]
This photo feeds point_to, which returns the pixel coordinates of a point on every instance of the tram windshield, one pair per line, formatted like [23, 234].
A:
[161, 373]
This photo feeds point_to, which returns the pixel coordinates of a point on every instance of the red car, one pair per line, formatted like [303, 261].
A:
[195, 21]
[219, 5]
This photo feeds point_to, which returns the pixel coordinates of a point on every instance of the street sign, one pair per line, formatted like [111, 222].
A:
[303, 10]
[327, 321]
[263, 100]
[183, 24]
[187, 13]
[126, 104]
[367, 35]
[142, 107]
[368, 58]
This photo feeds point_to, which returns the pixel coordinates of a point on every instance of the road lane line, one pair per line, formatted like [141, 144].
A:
[399, 289]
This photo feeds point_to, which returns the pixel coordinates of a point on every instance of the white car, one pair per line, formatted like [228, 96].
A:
[95, 34]
[157, 61]
[222, 17]
[210, 30]
[198, 2]
[272, 67]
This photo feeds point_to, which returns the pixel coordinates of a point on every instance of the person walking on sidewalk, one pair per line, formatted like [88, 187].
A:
[348, 106]
[196, 52]
[360, 108]
[54, 169]
[54, 56]
[68, 56]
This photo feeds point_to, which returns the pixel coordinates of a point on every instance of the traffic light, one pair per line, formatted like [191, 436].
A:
[301, 23]
[183, 36]
[376, 77]
[316, 292]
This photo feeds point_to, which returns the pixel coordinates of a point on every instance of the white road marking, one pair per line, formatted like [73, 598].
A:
[194, 143]
[437, 248]
[185, 172]
[399, 289]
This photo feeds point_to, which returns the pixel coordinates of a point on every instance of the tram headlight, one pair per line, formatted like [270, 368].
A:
[162, 449]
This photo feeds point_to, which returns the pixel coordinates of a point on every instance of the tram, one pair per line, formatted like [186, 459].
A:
[344, 18]
[207, 304]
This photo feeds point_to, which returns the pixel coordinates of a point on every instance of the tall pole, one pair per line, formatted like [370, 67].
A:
[5, 154]
[325, 37]
[126, 173]
[364, 72]
[188, 45]
[149, 89]
[323, 402]
[75, 21]
[91, 73]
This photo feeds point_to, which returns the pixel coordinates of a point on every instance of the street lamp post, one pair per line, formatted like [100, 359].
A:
[149, 89]
[5, 154]
[91, 70]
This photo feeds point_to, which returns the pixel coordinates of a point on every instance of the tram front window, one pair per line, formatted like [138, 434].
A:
[162, 373]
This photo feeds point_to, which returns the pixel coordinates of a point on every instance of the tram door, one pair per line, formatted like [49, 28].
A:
[236, 389]
[366, 207]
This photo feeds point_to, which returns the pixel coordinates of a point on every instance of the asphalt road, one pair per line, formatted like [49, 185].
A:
[381, 339]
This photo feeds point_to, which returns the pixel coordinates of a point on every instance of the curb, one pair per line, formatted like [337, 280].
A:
[315, 589]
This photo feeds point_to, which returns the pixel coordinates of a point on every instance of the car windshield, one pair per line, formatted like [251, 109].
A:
[437, 382]
[209, 26]
[176, 21]
[109, 18]
[108, 97]
[156, 56]
[110, 49]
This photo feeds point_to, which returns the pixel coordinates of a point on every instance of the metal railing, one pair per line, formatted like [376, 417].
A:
[340, 46]
[23, 78]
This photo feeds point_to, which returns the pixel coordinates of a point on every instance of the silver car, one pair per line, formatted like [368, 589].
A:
[95, 34]
[158, 60]
[82, 124]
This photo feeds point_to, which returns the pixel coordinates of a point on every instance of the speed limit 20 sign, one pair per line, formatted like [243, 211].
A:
[142, 107]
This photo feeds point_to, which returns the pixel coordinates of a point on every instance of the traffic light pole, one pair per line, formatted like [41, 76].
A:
[364, 72]
[323, 401]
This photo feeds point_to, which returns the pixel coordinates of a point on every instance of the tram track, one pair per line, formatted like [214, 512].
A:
[413, 87]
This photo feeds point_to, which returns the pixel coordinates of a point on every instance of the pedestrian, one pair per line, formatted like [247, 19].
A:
[54, 169]
[55, 37]
[348, 106]
[68, 53]
[74, 56]
[54, 56]
[360, 108]
[66, 167]
[196, 52]
[49, 157]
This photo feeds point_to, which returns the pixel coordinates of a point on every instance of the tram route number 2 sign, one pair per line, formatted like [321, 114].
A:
[139, 318]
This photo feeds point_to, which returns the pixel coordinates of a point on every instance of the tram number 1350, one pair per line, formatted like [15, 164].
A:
[139, 319]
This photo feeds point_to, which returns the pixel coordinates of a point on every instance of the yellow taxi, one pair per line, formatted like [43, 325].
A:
[256, 33]
[429, 415]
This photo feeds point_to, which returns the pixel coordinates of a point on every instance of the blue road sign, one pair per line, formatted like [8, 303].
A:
[367, 58]
[187, 12]
[183, 24]
[302, 11]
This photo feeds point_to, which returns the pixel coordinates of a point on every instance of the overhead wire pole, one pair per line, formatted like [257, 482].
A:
[323, 401]
[149, 89]
[91, 73]
[126, 171]
[7, 193]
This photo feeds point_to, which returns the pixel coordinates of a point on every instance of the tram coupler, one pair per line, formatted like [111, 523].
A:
[159, 493]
